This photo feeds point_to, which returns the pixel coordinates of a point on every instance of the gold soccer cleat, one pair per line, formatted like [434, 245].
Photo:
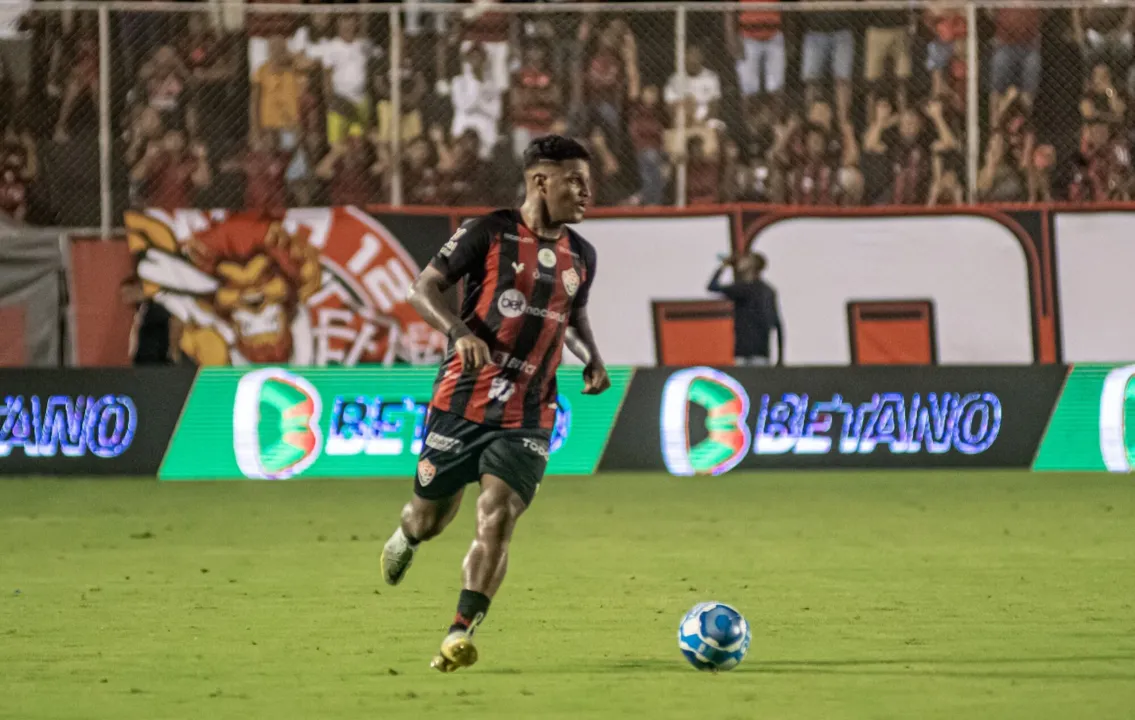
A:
[457, 651]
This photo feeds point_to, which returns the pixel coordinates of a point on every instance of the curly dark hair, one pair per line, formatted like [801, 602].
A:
[554, 148]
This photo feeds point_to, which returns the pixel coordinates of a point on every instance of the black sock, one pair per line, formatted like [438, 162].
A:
[470, 605]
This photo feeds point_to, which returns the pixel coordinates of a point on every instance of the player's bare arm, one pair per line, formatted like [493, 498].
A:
[581, 341]
[427, 295]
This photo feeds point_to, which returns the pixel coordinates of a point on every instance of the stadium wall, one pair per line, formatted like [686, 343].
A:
[368, 422]
[980, 286]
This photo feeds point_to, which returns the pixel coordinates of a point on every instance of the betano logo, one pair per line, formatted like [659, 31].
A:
[1117, 418]
[275, 424]
[726, 406]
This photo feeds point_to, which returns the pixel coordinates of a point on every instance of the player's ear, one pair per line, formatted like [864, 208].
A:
[540, 181]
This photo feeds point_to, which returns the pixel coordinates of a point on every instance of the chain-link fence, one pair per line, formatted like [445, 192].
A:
[928, 102]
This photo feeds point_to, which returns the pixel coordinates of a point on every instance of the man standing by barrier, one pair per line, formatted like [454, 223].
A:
[755, 313]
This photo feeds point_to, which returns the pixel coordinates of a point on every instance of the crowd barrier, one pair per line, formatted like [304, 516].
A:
[274, 423]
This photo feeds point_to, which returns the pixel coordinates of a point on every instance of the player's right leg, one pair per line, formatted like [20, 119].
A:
[449, 461]
[422, 520]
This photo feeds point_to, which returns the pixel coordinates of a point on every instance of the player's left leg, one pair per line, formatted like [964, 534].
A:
[512, 468]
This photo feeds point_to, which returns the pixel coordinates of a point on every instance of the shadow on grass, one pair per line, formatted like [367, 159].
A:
[993, 668]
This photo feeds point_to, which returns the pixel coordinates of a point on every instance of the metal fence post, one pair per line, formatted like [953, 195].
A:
[396, 105]
[105, 140]
[683, 88]
[973, 132]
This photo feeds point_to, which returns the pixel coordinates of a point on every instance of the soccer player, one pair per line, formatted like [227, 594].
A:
[526, 282]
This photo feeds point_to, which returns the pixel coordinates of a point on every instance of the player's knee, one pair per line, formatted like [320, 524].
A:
[424, 522]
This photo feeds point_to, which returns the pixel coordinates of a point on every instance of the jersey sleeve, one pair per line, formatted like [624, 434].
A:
[466, 251]
[589, 261]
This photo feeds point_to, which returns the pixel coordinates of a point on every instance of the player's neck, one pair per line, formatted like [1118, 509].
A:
[532, 213]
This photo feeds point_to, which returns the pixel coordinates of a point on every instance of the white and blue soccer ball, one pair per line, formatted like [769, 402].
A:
[713, 636]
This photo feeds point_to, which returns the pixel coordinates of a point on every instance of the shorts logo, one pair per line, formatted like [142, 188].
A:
[441, 443]
[571, 281]
[508, 362]
[536, 446]
[547, 257]
[512, 303]
[501, 389]
[426, 473]
[448, 248]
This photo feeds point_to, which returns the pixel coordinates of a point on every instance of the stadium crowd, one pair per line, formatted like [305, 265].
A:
[789, 106]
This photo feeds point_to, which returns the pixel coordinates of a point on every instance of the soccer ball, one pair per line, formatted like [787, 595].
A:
[714, 636]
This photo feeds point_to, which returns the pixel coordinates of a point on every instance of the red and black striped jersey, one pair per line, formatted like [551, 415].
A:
[519, 293]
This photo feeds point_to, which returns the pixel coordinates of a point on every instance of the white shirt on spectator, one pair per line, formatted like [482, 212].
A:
[301, 44]
[477, 106]
[10, 13]
[704, 88]
[347, 62]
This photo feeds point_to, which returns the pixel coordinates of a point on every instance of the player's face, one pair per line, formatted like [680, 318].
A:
[567, 191]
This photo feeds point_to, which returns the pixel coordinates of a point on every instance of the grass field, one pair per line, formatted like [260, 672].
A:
[882, 595]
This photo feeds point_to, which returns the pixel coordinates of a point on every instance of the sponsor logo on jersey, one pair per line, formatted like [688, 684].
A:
[518, 268]
[571, 281]
[536, 446]
[501, 389]
[426, 472]
[442, 443]
[547, 257]
[516, 238]
[508, 362]
[512, 303]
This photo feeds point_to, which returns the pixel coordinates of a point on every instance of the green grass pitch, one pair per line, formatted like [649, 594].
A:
[871, 595]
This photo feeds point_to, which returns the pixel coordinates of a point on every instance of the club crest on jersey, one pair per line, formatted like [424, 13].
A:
[571, 281]
[426, 472]
[547, 257]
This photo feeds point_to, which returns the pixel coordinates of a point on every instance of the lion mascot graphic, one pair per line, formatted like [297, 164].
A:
[239, 287]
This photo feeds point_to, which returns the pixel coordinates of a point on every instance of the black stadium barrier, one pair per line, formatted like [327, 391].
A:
[107, 421]
[704, 420]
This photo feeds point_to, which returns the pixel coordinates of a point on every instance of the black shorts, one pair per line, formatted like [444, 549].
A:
[457, 452]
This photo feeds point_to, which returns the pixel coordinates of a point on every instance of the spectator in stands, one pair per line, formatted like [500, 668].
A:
[611, 76]
[420, 176]
[1102, 169]
[75, 68]
[754, 179]
[261, 26]
[309, 39]
[303, 183]
[351, 170]
[704, 174]
[464, 178]
[829, 47]
[887, 42]
[491, 31]
[535, 98]
[1101, 99]
[476, 102]
[264, 166]
[946, 188]
[164, 79]
[18, 168]
[143, 128]
[275, 105]
[170, 174]
[946, 52]
[818, 163]
[1104, 33]
[1002, 178]
[614, 181]
[1016, 61]
[646, 120]
[701, 102]
[757, 46]
[211, 116]
[896, 157]
[413, 93]
[16, 46]
[346, 59]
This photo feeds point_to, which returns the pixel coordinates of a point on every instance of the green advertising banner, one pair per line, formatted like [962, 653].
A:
[275, 423]
[1088, 429]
